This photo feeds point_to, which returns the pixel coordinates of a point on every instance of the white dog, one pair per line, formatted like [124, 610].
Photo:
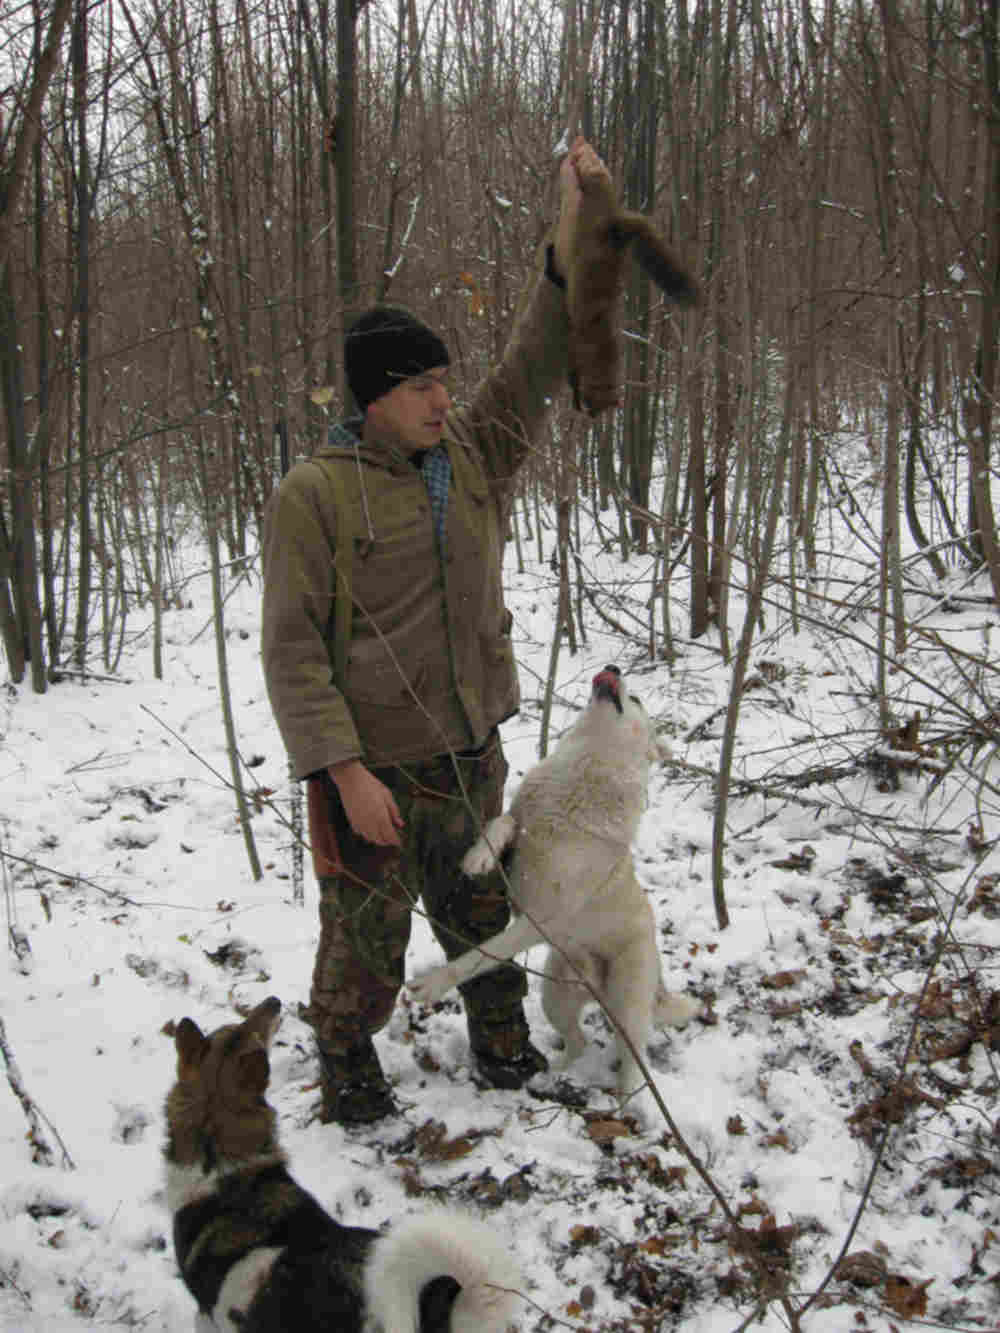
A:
[573, 884]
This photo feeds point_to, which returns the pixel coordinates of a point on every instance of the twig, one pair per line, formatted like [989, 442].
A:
[60, 672]
[101, 761]
[41, 1153]
[753, 787]
[588, 592]
[7, 1279]
[17, 939]
[67, 876]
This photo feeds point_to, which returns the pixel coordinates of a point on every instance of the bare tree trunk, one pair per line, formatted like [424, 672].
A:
[563, 620]
[388, 270]
[225, 697]
[741, 658]
[701, 608]
[916, 376]
[192, 207]
[820, 52]
[986, 381]
[159, 536]
[82, 200]
[891, 607]
[347, 271]
[15, 172]
[46, 407]
[20, 608]
[890, 599]
[640, 130]
[719, 276]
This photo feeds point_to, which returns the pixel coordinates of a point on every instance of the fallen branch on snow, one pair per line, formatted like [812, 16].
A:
[41, 1152]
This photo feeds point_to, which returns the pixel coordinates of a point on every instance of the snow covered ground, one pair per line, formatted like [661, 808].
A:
[128, 891]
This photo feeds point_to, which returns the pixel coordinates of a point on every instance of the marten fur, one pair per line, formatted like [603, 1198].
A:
[594, 287]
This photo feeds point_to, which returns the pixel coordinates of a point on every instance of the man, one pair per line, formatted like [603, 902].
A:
[387, 653]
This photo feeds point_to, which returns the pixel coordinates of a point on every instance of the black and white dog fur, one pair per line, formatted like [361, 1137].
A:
[260, 1255]
[571, 879]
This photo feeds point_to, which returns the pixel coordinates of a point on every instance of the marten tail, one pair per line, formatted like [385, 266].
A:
[654, 255]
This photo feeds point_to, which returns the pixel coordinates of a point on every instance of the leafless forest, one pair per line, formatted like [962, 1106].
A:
[196, 194]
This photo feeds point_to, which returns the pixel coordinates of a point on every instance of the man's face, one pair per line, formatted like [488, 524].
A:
[414, 410]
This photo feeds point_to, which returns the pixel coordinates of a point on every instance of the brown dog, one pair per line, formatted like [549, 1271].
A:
[258, 1252]
[594, 287]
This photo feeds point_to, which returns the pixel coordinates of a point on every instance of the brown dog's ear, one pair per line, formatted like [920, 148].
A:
[191, 1044]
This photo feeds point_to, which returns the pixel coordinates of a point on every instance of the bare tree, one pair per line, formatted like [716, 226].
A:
[20, 613]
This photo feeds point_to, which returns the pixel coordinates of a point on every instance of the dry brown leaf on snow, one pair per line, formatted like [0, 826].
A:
[782, 980]
[937, 1001]
[661, 1245]
[959, 1171]
[797, 860]
[890, 1108]
[656, 1172]
[754, 1207]
[413, 1186]
[778, 1139]
[906, 1298]
[581, 1234]
[983, 899]
[857, 1052]
[605, 1131]
[769, 1241]
[863, 1268]
[431, 1142]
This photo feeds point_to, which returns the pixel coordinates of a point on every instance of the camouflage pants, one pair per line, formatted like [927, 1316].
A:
[365, 910]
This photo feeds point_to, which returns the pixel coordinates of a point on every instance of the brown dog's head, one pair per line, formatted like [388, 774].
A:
[216, 1109]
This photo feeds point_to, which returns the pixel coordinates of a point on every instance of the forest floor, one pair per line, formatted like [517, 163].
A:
[835, 1116]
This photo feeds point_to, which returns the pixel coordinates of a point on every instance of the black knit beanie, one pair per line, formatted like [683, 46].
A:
[386, 345]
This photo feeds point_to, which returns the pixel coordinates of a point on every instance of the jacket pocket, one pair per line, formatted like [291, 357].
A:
[375, 678]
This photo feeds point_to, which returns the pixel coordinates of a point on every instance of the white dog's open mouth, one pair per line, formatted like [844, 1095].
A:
[608, 685]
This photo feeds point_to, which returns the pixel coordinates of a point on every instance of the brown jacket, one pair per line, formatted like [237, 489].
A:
[431, 664]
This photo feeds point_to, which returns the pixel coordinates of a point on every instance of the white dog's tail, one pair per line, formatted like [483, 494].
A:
[441, 1244]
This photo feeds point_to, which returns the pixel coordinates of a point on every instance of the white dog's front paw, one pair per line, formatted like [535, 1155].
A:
[484, 854]
[676, 1011]
[429, 988]
[479, 859]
